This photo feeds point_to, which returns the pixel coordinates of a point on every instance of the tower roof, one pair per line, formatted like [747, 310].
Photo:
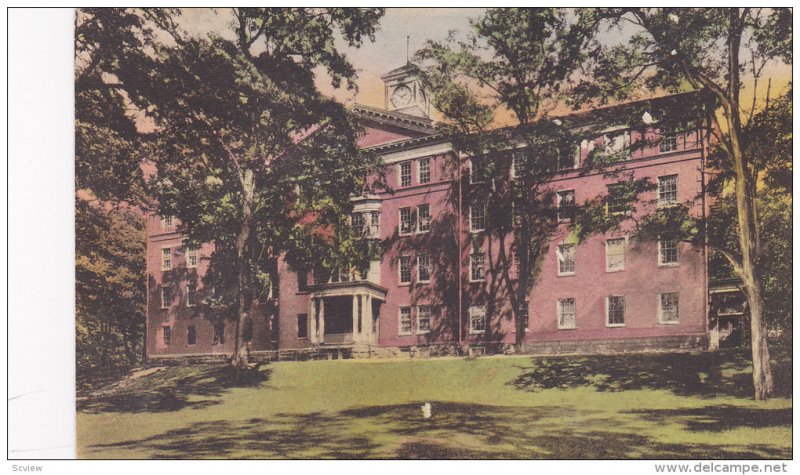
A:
[405, 70]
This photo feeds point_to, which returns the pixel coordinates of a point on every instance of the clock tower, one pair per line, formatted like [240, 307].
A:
[403, 92]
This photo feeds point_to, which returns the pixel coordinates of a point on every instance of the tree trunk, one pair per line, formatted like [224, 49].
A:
[749, 243]
[239, 359]
[523, 274]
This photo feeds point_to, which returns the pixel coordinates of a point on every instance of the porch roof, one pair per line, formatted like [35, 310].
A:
[338, 289]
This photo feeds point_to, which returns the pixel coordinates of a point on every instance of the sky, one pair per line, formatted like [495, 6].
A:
[371, 60]
[389, 50]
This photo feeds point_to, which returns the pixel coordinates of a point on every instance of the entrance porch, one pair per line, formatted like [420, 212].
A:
[345, 313]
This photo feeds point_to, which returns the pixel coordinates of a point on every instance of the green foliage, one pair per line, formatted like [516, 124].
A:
[250, 155]
[109, 291]
[518, 60]
[111, 50]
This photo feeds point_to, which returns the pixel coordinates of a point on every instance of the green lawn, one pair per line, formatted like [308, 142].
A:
[634, 406]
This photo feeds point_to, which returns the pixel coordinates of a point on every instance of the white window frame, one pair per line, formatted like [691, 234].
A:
[192, 327]
[166, 258]
[477, 311]
[419, 170]
[609, 142]
[420, 280]
[400, 331]
[166, 334]
[559, 199]
[357, 228]
[610, 187]
[560, 310]
[660, 304]
[410, 221]
[419, 229]
[400, 260]
[167, 223]
[374, 224]
[560, 258]
[400, 173]
[420, 330]
[472, 179]
[624, 311]
[191, 253]
[472, 228]
[661, 262]
[667, 203]
[189, 301]
[513, 172]
[624, 246]
[164, 301]
[483, 265]
[667, 136]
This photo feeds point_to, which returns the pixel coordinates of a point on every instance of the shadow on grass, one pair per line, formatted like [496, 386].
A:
[455, 431]
[719, 418]
[172, 389]
[705, 375]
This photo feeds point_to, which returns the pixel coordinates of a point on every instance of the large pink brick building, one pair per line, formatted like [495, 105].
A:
[437, 285]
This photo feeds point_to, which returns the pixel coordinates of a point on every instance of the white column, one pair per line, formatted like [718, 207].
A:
[312, 320]
[355, 318]
[321, 336]
[367, 318]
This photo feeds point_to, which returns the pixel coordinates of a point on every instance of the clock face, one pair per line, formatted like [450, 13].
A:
[401, 96]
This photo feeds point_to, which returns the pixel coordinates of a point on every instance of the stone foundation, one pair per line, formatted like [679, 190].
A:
[584, 347]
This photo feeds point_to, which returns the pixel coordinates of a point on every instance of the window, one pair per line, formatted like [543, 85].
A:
[667, 252]
[404, 266]
[423, 319]
[668, 308]
[615, 254]
[517, 165]
[524, 316]
[406, 226]
[219, 333]
[423, 218]
[616, 201]
[166, 334]
[476, 170]
[667, 190]
[477, 319]
[302, 279]
[405, 321]
[166, 258]
[191, 295]
[668, 139]
[423, 268]
[477, 217]
[566, 313]
[615, 311]
[476, 261]
[405, 174]
[166, 297]
[302, 325]
[566, 259]
[191, 258]
[424, 170]
[167, 223]
[357, 224]
[617, 146]
[374, 224]
[566, 205]
[191, 335]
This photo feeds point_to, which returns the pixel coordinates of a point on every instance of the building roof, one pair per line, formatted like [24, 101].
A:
[575, 119]
[396, 119]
